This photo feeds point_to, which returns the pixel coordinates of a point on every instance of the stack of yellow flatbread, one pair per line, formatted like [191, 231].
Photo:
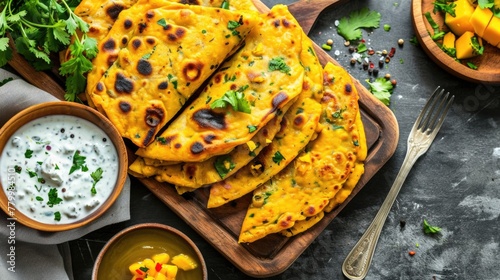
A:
[228, 99]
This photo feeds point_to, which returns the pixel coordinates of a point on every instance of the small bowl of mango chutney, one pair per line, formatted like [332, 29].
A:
[150, 251]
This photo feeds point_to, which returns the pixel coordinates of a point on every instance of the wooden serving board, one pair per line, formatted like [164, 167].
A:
[221, 226]
[275, 253]
[488, 71]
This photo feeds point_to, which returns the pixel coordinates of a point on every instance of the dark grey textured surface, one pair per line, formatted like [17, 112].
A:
[455, 186]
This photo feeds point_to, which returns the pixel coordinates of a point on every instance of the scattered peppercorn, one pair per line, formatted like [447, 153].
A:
[412, 253]
[72, 136]
[329, 42]
[387, 59]
[387, 76]
[104, 139]
[62, 130]
[371, 51]
[375, 72]
[394, 82]
[401, 42]
[353, 61]
[347, 43]
[365, 65]
[351, 49]
[392, 52]
[384, 52]
[402, 223]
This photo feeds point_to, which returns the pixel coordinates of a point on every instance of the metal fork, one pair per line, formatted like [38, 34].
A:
[422, 134]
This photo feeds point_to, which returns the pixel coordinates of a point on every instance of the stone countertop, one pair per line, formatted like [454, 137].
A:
[455, 185]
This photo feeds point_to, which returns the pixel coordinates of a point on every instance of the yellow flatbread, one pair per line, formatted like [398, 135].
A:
[305, 187]
[342, 194]
[155, 57]
[299, 126]
[241, 98]
[193, 175]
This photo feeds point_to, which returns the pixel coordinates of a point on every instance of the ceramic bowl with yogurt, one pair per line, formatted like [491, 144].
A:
[134, 249]
[62, 165]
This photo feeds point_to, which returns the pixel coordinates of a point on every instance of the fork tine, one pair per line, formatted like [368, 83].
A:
[442, 114]
[430, 102]
[436, 117]
[429, 108]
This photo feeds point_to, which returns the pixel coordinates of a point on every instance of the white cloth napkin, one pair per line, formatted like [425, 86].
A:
[26, 253]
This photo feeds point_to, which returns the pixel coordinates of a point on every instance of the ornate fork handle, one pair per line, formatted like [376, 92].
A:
[358, 261]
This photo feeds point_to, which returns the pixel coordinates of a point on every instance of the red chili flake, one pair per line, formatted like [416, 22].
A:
[372, 65]
[392, 52]
[363, 40]
[158, 267]
[371, 51]
[138, 271]
[412, 253]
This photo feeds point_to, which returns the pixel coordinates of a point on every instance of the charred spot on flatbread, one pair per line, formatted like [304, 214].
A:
[125, 106]
[192, 70]
[154, 116]
[144, 67]
[197, 148]
[114, 10]
[127, 24]
[208, 118]
[123, 84]
[109, 45]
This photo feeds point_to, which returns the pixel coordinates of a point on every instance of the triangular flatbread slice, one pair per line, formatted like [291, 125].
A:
[242, 97]
[305, 187]
[299, 126]
[155, 57]
[193, 175]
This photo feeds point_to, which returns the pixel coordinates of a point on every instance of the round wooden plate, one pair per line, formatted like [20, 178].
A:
[488, 64]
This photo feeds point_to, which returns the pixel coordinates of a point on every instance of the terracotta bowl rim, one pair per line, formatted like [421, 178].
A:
[140, 226]
[73, 109]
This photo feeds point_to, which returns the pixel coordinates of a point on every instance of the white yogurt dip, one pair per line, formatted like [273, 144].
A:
[65, 168]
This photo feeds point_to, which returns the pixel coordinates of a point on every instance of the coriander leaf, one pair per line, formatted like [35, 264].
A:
[349, 28]
[96, 176]
[251, 128]
[234, 98]
[278, 157]
[477, 48]
[28, 153]
[78, 162]
[430, 229]
[382, 89]
[57, 216]
[53, 198]
[444, 6]
[279, 64]
[483, 4]
[223, 165]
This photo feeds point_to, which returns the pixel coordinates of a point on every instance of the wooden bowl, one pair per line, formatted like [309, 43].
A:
[8, 203]
[142, 241]
[488, 64]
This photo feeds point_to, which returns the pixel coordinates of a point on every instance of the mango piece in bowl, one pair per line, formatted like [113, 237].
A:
[465, 45]
[480, 19]
[460, 23]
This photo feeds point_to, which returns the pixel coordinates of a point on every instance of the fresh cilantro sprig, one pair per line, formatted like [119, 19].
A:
[96, 176]
[445, 6]
[44, 27]
[223, 165]
[430, 229]
[350, 27]
[279, 64]
[235, 98]
[54, 199]
[382, 89]
[78, 163]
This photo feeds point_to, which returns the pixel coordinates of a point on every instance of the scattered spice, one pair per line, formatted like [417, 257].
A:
[402, 223]
[411, 253]
[329, 42]
[401, 42]
[326, 47]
